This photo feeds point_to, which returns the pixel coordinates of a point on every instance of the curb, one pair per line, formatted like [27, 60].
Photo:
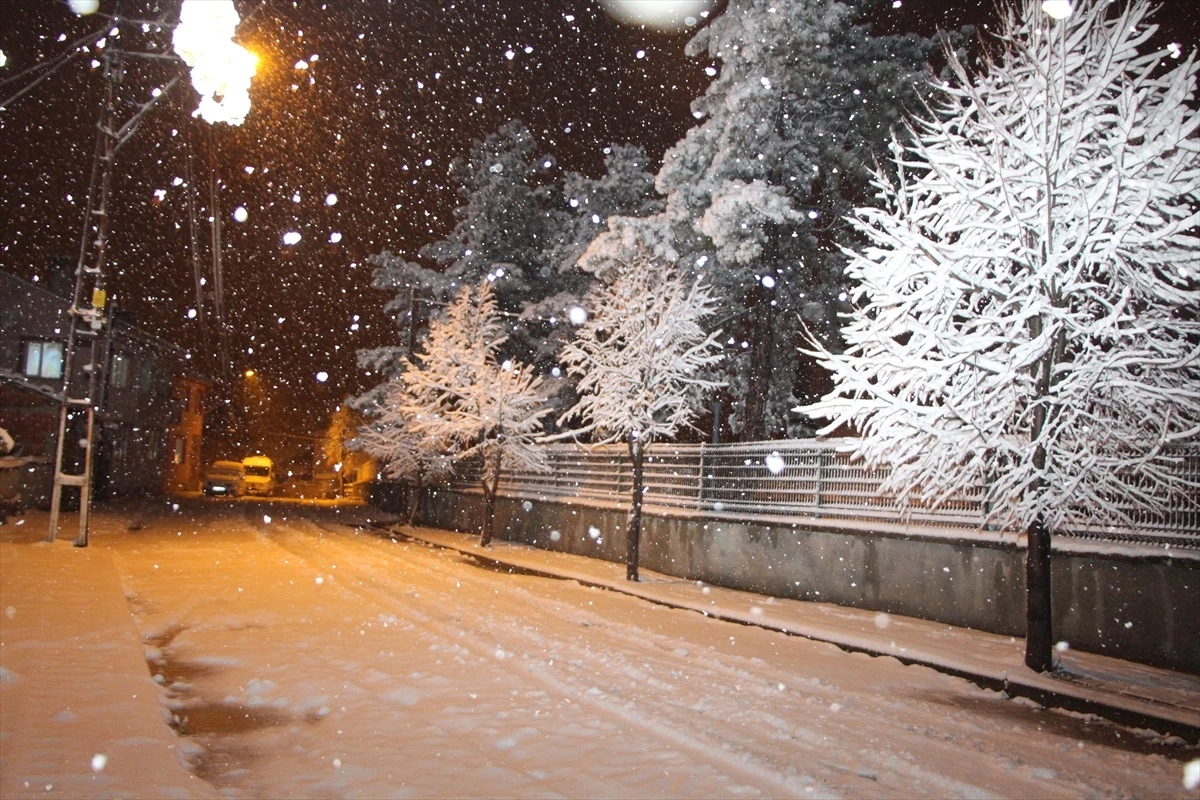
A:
[1053, 690]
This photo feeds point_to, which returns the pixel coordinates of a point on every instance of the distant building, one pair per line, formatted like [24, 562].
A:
[151, 406]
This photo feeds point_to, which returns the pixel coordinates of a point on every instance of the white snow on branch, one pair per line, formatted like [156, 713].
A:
[642, 353]
[1026, 317]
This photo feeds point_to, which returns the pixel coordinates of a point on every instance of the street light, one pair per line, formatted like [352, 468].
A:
[1057, 9]
[221, 69]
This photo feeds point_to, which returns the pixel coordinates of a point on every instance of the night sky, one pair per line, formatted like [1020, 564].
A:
[391, 92]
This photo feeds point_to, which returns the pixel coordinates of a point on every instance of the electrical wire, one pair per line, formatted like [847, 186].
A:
[49, 67]
[72, 49]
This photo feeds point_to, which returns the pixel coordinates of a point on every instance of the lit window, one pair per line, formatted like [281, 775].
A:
[44, 359]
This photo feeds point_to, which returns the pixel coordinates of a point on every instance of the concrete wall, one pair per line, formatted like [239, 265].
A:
[1140, 608]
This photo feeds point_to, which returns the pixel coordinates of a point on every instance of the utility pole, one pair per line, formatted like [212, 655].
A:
[90, 314]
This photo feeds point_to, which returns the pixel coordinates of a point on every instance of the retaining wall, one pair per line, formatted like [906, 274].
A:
[1143, 607]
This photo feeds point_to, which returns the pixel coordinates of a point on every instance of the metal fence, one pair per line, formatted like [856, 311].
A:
[794, 479]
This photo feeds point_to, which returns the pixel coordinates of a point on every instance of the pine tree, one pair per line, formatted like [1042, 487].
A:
[412, 286]
[521, 225]
[503, 223]
[639, 358]
[1027, 316]
[626, 187]
[803, 99]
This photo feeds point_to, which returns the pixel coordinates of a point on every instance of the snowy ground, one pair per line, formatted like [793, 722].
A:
[303, 658]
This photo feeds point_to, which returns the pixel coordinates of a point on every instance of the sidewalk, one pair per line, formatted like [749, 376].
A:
[81, 716]
[1122, 691]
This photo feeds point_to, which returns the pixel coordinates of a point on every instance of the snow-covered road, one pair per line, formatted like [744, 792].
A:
[309, 658]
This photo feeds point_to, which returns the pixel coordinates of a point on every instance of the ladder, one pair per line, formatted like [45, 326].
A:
[87, 319]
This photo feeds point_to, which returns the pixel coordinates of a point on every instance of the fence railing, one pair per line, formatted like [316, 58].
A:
[804, 478]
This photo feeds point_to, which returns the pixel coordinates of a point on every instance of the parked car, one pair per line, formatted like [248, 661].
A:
[258, 475]
[224, 478]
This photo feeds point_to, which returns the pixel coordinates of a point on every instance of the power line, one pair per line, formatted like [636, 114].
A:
[50, 67]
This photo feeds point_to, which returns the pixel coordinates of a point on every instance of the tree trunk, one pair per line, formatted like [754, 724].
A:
[758, 386]
[1039, 623]
[489, 500]
[414, 505]
[637, 454]
[1039, 630]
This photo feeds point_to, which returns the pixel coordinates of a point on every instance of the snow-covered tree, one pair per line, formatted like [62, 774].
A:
[640, 357]
[522, 225]
[412, 285]
[479, 406]
[759, 187]
[626, 187]
[341, 427]
[508, 191]
[503, 223]
[1028, 316]
[403, 452]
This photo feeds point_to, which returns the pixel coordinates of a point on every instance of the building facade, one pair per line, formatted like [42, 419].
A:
[150, 400]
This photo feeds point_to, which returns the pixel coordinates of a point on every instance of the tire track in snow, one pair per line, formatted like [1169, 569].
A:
[669, 718]
[974, 738]
[680, 734]
[913, 731]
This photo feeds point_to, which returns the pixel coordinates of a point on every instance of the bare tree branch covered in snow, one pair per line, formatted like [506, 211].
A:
[641, 358]
[1027, 316]
[477, 406]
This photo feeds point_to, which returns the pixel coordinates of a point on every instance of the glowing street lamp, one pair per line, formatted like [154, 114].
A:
[221, 73]
[1057, 9]
[665, 15]
[221, 69]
